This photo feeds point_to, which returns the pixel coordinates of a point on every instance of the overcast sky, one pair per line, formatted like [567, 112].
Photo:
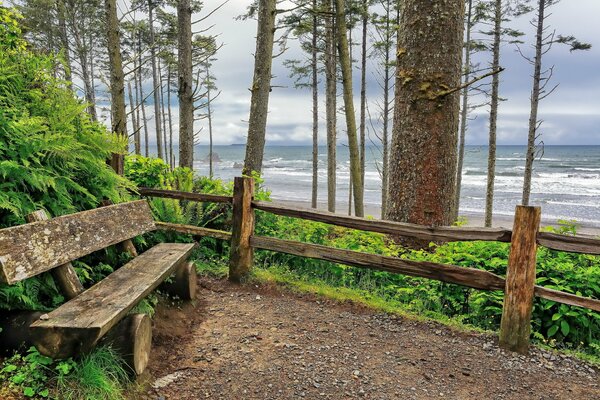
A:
[571, 114]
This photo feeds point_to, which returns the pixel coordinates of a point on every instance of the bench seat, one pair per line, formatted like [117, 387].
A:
[79, 324]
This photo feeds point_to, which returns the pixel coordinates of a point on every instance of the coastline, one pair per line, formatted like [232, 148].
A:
[472, 219]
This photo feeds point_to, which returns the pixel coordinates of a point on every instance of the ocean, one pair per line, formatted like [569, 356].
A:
[566, 180]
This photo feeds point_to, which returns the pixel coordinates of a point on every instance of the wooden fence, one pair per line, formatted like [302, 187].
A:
[519, 285]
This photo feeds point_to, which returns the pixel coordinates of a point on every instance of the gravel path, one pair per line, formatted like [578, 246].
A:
[249, 342]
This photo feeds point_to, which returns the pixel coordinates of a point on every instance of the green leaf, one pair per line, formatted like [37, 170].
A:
[564, 327]
[28, 391]
[552, 331]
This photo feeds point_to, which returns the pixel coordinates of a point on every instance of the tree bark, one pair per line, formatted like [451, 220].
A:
[315, 110]
[163, 113]
[423, 156]
[535, 100]
[363, 92]
[209, 115]
[344, 53]
[169, 115]
[464, 110]
[155, 88]
[261, 87]
[386, 115]
[186, 100]
[330, 105]
[142, 98]
[491, 173]
[134, 122]
[117, 80]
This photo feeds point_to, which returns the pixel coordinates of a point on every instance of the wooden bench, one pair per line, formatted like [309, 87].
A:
[51, 244]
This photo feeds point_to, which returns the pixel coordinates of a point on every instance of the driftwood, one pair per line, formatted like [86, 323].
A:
[30, 249]
[77, 326]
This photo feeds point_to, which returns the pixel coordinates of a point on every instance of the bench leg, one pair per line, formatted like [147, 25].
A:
[132, 340]
[184, 283]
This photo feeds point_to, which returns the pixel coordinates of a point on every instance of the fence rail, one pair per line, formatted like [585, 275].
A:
[518, 286]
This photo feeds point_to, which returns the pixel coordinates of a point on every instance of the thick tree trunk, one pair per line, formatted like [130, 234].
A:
[343, 50]
[423, 156]
[186, 100]
[261, 87]
[491, 173]
[117, 80]
[464, 111]
[155, 88]
[330, 105]
[535, 99]
[315, 110]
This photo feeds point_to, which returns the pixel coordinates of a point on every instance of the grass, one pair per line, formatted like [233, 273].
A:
[99, 375]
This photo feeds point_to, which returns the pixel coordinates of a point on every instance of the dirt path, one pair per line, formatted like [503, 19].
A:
[253, 342]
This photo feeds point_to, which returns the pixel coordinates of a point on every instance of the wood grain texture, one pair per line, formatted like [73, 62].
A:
[567, 298]
[132, 340]
[445, 234]
[64, 275]
[193, 230]
[469, 277]
[174, 194]
[76, 326]
[574, 244]
[241, 254]
[30, 249]
[515, 325]
[184, 282]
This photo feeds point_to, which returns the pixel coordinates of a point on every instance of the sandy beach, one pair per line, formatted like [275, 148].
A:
[472, 219]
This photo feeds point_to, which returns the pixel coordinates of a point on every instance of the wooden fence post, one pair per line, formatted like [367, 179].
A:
[241, 254]
[65, 276]
[520, 281]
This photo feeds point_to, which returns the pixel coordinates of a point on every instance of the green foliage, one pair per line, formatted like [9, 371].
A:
[52, 156]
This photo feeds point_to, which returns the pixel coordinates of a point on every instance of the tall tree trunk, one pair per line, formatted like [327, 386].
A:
[136, 129]
[210, 131]
[423, 157]
[491, 173]
[315, 110]
[535, 99]
[464, 112]
[363, 92]
[64, 40]
[92, 80]
[330, 105]
[344, 53]
[117, 80]
[163, 114]
[155, 88]
[386, 115]
[186, 100]
[261, 86]
[142, 97]
[171, 158]
[350, 191]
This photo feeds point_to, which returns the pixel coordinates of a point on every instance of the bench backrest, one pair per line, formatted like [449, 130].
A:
[30, 249]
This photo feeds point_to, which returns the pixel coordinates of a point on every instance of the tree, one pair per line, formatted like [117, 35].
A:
[261, 87]
[423, 155]
[543, 44]
[330, 104]
[186, 100]
[155, 83]
[385, 31]
[344, 54]
[117, 80]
